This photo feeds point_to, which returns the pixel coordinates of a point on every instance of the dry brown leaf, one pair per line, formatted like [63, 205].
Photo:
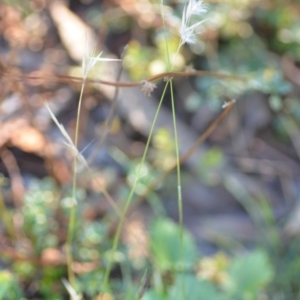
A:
[28, 139]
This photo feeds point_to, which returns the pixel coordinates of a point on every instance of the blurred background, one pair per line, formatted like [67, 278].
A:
[240, 188]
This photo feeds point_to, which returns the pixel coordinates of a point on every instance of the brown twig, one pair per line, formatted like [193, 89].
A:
[70, 79]
[184, 156]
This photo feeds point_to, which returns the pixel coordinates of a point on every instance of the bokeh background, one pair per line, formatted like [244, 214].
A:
[240, 188]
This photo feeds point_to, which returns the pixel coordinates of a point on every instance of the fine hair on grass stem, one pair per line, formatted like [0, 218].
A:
[88, 62]
[128, 201]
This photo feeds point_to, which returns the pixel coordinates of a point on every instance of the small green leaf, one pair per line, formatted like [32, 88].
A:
[250, 274]
[275, 102]
[152, 295]
[165, 245]
[213, 158]
[189, 287]
[9, 288]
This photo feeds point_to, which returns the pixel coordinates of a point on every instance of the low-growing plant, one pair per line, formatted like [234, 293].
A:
[64, 252]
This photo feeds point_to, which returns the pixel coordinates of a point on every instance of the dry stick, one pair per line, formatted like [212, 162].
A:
[68, 79]
[206, 133]
[184, 156]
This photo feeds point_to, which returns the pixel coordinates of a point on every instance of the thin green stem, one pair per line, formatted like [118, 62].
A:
[128, 201]
[71, 225]
[176, 151]
[179, 193]
[184, 156]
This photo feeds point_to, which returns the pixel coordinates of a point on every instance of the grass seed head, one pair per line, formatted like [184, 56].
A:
[188, 29]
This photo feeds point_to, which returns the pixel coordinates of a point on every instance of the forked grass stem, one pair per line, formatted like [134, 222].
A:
[179, 192]
[71, 225]
[128, 201]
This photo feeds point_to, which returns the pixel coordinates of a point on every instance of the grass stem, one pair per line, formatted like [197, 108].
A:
[129, 199]
[71, 225]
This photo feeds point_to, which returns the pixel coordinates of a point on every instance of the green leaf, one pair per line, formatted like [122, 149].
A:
[187, 286]
[275, 102]
[249, 274]
[165, 245]
[212, 158]
[153, 295]
[9, 288]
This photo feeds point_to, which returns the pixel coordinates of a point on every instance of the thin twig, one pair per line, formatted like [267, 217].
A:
[70, 79]
[183, 157]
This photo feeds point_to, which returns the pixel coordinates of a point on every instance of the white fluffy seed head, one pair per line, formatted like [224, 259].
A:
[195, 8]
[188, 29]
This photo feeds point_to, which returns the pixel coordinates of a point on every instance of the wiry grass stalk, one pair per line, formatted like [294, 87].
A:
[187, 35]
[88, 62]
[184, 156]
[189, 30]
[179, 192]
[71, 225]
[128, 201]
